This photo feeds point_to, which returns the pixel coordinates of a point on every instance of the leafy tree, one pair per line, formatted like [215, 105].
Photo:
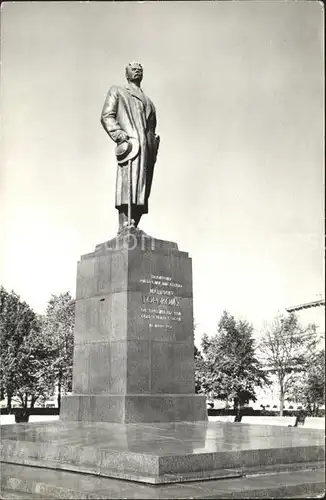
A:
[286, 349]
[208, 372]
[233, 371]
[58, 329]
[34, 376]
[200, 372]
[17, 320]
[309, 387]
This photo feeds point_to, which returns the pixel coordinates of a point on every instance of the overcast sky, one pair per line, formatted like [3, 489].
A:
[238, 89]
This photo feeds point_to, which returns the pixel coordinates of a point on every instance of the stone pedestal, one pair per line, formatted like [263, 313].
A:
[134, 363]
[134, 343]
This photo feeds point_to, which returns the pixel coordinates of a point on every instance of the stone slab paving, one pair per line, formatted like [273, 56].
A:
[266, 420]
[314, 423]
[10, 419]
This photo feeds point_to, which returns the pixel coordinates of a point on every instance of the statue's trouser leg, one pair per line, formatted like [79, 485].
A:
[136, 214]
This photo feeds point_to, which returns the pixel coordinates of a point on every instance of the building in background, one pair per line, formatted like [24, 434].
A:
[311, 312]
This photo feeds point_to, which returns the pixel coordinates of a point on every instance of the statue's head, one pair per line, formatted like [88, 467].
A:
[134, 72]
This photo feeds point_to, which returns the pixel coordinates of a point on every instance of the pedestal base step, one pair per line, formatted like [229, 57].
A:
[134, 408]
[160, 453]
[21, 482]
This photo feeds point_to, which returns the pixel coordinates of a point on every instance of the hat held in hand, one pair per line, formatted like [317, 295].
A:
[127, 150]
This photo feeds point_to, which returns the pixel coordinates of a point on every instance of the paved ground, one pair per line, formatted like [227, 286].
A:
[10, 419]
[313, 423]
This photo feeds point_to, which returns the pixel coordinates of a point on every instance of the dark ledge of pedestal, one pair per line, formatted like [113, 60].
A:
[132, 238]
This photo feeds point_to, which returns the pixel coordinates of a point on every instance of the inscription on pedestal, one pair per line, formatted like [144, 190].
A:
[160, 301]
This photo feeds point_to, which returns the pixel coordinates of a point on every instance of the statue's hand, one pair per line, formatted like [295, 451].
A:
[122, 137]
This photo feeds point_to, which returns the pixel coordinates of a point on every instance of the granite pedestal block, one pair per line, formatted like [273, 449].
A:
[26, 483]
[157, 453]
[132, 408]
[134, 341]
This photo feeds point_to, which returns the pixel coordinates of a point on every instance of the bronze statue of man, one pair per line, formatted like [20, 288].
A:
[129, 117]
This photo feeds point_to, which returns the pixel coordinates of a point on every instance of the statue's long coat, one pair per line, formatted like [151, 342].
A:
[128, 109]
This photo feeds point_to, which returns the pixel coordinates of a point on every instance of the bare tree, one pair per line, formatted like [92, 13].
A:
[285, 349]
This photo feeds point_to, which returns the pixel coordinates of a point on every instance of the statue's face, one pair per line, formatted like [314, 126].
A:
[134, 72]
